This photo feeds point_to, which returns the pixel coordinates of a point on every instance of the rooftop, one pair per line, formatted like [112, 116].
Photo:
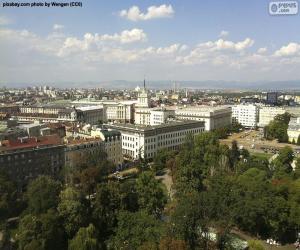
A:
[77, 141]
[33, 142]
[148, 128]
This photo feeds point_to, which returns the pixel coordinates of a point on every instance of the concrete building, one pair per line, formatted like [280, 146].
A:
[100, 140]
[38, 109]
[246, 115]
[119, 112]
[267, 114]
[272, 97]
[26, 158]
[112, 144]
[92, 114]
[144, 141]
[214, 117]
[293, 130]
[160, 116]
[51, 114]
[78, 150]
[33, 129]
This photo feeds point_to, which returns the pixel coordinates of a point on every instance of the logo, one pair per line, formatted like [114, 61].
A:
[283, 8]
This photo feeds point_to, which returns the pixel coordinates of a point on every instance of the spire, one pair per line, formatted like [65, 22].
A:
[144, 83]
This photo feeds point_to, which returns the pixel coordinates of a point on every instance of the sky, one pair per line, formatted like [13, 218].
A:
[162, 40]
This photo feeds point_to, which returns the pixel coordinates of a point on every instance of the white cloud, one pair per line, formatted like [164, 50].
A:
[262, 50]
[134, 13]
[292, 49]
[126, 36]
[4, 20]
[58, 27]
[95, 41]
[27, 55]
[215, 52]
[224, 33]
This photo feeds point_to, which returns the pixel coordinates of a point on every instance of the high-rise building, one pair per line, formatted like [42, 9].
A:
[272, 97]
[246, 115]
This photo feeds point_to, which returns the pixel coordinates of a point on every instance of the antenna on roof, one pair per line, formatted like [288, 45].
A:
[144, 82]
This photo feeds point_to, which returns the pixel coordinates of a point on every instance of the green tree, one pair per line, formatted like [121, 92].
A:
[285, 118]
[134, 229]
[43, 232]
[106, 207]
[88, 179]
[186, 221]
[234, 153]
[282, 163]
[161, 159]
[298, 140]
[129, 196]
[42, 194]
[277, 129]
[8, 196]
[85, 239]
[151, 194]
[253, 202]
[72, 209]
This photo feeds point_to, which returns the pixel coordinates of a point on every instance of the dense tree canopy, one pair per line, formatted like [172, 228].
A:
[72, 209]
[216, 188]
[151, 194]
[8, 195]
[135, 229]
[42, 194]
[85, 239]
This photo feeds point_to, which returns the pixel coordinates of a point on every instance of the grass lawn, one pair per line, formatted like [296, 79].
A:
[262, 155]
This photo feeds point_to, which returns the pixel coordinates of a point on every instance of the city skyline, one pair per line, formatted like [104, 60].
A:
[167, 41]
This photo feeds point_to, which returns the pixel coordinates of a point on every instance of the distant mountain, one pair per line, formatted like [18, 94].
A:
[209, 84]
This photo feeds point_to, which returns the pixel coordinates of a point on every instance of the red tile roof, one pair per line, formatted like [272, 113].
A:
[33, 142]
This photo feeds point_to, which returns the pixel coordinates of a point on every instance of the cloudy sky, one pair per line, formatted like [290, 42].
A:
[174, 40]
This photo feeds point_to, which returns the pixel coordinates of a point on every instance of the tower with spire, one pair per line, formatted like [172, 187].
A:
[143, 97]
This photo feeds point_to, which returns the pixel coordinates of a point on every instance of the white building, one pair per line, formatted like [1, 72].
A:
[246, 115]
[267, 114]
[114, 111]
[214, 117]
[142, 108]
[120, 112]
[160, 116]
[141, 141]
[293, 130]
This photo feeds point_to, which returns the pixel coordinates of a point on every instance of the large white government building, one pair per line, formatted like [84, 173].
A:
[144, 141]
[114, 111]
[214, 117]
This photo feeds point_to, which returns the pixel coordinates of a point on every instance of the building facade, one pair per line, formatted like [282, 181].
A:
[119, 112]
[246, 115]
[267, 114]
[214, 117]
[144, 142]
[25, 159]
[293, 130]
